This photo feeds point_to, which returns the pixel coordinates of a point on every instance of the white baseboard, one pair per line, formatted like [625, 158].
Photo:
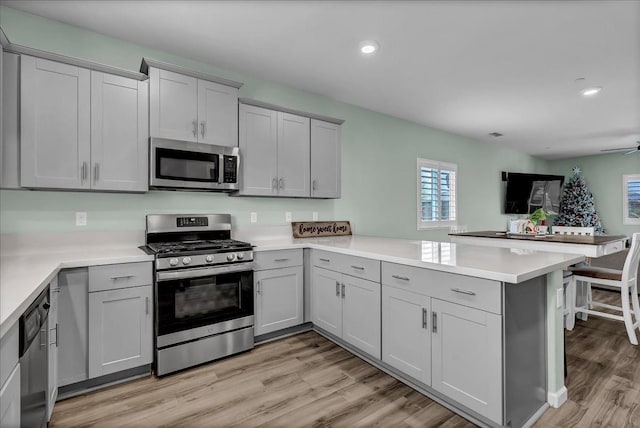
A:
[557, 398]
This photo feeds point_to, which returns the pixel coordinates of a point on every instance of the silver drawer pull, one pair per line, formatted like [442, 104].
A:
[403, 278]
[337, 289]
[424, 318]
[357, 267]
[281, 260]
[121, 277]
[325, 260]
[457, 290]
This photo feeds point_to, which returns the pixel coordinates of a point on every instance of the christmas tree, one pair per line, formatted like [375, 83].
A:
[577, 208]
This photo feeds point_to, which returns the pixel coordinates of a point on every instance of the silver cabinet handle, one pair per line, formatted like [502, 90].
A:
[281, 183]
[314, 184]
[202, 128]
[96, 172]
[343, 293]
[57, 333]
[403, 278]
[55, 290]
[357, 267]
[113, 278]
[146, 305]
[337, 289]
[83, 172]
[280, 260]
[458, 290]
[434, 322]
[325, 260]
[424, 318]
[43, 336]
[274, 183]
[194, 123]
[258, 291]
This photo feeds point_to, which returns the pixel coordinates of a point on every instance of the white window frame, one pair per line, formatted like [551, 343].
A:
[625, 198]
[436, 224]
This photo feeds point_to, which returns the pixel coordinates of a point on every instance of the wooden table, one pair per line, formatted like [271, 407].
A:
[589, 246]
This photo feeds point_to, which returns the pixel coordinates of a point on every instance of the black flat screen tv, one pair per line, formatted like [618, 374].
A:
[528, 192]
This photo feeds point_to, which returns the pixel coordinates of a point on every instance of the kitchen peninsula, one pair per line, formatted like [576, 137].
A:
[487, 318]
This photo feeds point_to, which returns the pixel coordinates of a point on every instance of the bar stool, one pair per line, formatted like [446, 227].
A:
[626, 280]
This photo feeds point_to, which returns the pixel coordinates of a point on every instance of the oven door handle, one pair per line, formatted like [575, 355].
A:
[201, 272]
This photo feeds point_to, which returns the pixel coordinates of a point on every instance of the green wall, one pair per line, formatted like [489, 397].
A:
[379, 159]
[603, 174]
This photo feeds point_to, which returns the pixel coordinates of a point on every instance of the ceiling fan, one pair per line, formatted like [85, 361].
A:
[620, 149]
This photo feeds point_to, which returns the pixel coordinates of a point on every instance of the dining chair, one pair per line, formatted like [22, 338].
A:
[626, 280]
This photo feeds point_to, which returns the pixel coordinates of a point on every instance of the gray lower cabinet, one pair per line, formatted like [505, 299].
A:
[406, 332]
[10, 378]
[120, 330]
[279, 300]
[467, 357]
[52, 323]
[326, 159]
[347, 307]
[73, 322]
[81, 129]
[275, 149]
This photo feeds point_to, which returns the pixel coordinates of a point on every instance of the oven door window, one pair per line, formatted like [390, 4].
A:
[189, 303]
[187, 166]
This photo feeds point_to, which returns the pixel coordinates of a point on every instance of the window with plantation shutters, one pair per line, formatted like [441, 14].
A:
[437, 196]
[631, 198]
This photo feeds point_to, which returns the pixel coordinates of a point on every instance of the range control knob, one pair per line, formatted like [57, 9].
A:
[209, 259]
[186, 260]
[173, 262]
[240, 256]
[230, 257]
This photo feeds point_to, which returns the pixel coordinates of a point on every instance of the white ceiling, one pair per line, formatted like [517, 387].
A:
[470, 68]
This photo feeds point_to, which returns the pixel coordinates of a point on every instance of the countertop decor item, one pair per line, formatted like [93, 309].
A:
[312, 229]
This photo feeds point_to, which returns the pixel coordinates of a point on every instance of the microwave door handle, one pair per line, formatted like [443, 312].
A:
[220, 168]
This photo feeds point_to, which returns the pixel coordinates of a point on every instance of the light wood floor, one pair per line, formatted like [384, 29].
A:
[306, 380]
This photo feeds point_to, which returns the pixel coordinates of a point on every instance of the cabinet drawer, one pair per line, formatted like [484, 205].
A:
[351, 265]
[9, 350]
[465, 290]
[112, 277]
[264, 260]
[613, 247]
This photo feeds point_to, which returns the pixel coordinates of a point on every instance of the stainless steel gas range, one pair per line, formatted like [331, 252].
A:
[203, 290]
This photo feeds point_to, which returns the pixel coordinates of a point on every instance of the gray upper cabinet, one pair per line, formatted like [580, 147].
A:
[119, 123]
[55, 125]
[81, 129]
[190, 109]
[275, 153]
[10, 137]
[326, 155]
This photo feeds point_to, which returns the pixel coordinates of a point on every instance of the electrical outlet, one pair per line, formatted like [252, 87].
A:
[81, 219]
[254, 217]
[559, 298]
[287, 216]
[315, 216]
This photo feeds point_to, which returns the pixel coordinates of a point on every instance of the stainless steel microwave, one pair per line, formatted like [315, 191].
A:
[193, 166]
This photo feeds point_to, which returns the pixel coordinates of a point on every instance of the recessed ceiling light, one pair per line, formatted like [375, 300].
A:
[589, 92]
[369, 47]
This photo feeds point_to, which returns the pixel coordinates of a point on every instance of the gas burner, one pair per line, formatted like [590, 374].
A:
[212, 246]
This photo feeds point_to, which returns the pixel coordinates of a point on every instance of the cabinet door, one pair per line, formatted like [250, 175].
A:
[173, 101]
[54, 125]
[279, 299]
[217, 114]
[10, 400]
[406, 334]
[326, 155]
[326, 311]
[119, 133]
[52, 396]
[361, 314]
[120, 328]
[10, 136]
[73, 321]
[258, 149]
[467, 357]
[293, 155]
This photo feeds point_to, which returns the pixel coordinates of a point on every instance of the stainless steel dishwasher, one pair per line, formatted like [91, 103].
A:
[34, 352]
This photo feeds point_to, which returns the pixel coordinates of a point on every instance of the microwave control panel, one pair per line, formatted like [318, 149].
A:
[230, 169]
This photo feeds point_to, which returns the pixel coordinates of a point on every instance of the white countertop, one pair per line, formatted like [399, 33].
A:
[25, 272]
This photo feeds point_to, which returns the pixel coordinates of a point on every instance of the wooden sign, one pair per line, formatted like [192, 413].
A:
[312, 229]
